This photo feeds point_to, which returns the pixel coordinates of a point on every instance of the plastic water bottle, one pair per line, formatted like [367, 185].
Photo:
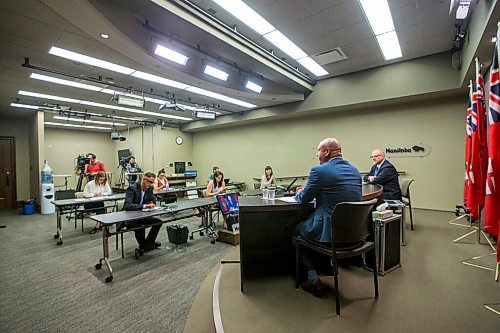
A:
[47, 173]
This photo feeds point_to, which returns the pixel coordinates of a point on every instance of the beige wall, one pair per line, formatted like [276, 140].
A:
[154, 147]
[19, 128]
[290, 146]
[62, 146]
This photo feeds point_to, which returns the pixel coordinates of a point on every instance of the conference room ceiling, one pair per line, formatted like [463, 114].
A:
[29, 28]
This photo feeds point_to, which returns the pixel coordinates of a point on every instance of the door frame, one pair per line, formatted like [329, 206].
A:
[13, 169]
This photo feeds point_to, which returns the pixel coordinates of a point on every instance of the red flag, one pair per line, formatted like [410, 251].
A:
[492, 197]
[478, 150]
[468, 141]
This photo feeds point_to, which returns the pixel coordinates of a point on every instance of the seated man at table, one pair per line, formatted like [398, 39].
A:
[385, 174]
[140, 196]
[334, 180]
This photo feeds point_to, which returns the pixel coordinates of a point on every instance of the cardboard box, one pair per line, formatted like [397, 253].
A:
[227, 236]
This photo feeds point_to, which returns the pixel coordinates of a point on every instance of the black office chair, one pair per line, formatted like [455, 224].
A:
[351, 225]
[406, 198]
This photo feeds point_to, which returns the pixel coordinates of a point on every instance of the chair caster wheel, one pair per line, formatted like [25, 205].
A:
[212, 241]
[56, 236]
[98, 266]
[191, 237]
[59, 242]
[202, 233]
[109, 279]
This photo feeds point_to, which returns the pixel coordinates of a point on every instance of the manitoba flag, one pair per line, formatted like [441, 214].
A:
[492, 191]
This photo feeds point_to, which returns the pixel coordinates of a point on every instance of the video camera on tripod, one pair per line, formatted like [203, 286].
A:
[81, 162]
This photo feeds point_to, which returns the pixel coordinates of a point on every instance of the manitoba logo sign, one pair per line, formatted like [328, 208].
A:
[407, 150]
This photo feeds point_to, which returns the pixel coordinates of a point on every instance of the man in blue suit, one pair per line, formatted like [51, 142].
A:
[334, 180]
[385, 174]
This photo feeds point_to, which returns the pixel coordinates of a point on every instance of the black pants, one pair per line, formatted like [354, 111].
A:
[94, 207]
[146, 244]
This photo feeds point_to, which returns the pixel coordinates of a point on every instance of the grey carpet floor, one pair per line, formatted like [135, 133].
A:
[47, 288]
[431, 292]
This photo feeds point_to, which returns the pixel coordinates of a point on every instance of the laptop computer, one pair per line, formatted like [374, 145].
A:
[229, 203]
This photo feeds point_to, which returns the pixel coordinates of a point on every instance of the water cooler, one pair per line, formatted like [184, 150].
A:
[46, 196]
[47, 190]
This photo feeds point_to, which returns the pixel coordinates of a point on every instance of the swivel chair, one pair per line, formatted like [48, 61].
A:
[351, 226]
[406, 198]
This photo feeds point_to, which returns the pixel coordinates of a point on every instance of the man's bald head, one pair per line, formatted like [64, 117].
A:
[378, 155]
[328, 149]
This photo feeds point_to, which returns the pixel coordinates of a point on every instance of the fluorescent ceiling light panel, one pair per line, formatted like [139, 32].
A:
[378, 14]
[80, 120]
[215, 72]
[138, 74]
[159, 79]
[78, 126]
[207, 93]
[24, 106]
[51, 97]
[253, 86]
[90, 60]
[205, 114]
[389, 44]
[312, 66]
[245, 14]
[286, 45]
[64, 82]
[462, 10]
[130, 100]
[171, 55]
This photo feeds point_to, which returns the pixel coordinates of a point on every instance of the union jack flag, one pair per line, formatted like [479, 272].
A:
[492, 191]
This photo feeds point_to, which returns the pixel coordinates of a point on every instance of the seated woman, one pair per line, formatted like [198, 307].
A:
[161, 184]
[268, 178]
[97, 188]
[217, 185]
[214, 169]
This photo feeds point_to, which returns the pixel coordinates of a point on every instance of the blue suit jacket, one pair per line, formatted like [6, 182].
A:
[329, 183]
[387, 176]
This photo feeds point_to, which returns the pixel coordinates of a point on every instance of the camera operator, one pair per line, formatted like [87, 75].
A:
[132, 167]
[93, 167]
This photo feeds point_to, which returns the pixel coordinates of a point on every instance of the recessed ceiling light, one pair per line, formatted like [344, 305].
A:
[171, 55]
[78, 126]
[215, 72]
[245, 14]
[389, 44]
[253, 86]
[103, 35]
[80, 120]
[24, 106]
[312, 66]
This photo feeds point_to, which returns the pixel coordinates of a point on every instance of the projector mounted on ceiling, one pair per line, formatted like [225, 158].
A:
[115, 135]
[172, 105]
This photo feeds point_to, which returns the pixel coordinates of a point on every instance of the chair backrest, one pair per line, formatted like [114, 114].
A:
[405, 187]
[191, 194]
[351, 221]
[256, 186]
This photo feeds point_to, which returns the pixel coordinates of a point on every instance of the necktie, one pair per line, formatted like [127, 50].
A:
[376, 171]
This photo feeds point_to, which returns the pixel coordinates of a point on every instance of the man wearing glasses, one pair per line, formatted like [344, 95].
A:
[140, 196]
[385, 174]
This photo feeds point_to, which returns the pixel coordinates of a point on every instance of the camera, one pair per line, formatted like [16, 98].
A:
[81, 161]
[124, 161]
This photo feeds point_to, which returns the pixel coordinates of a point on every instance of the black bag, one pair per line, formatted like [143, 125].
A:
[177, 234]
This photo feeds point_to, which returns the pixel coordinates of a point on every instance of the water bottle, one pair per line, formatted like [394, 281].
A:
[46, 173]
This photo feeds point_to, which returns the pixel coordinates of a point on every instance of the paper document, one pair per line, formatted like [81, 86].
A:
[80, 200]
[287, 199]
[150, 209]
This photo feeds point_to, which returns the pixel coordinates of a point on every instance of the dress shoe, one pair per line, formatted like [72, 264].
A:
[138, 253]
[314, 285]
[157, 244]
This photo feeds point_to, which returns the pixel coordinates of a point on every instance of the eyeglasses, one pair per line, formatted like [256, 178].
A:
[375, 156]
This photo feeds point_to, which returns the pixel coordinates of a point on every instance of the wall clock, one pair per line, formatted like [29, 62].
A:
[178, 140]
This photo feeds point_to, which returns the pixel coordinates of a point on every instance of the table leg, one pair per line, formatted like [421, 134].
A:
[105, 251]
[58, 234]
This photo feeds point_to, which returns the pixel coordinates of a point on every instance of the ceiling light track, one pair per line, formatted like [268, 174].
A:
[193, 9]
[126, 89]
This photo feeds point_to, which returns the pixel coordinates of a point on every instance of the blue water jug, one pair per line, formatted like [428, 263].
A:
[47, 174]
